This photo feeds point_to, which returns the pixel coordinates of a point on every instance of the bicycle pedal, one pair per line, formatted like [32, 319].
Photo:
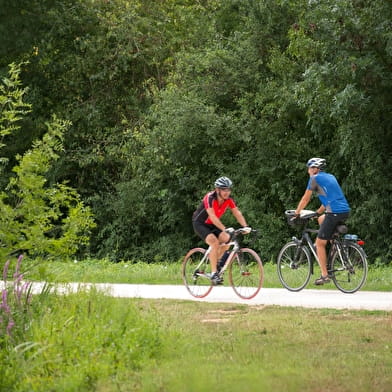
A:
[217, 282]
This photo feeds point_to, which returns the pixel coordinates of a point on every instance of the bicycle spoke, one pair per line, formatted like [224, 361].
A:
[349, 271]
[194, 273]
[246, 273]
[294, 266]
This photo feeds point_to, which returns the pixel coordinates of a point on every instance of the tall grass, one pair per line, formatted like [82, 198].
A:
[80, 342]
[72, 342]
[92, 342]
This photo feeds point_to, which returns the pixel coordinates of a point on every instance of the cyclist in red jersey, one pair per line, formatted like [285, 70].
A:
[208, 226]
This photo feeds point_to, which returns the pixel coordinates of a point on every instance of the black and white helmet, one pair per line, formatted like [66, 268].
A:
[223, 182]
[318, 163]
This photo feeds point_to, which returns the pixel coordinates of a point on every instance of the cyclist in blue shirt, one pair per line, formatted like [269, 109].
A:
[333, 203]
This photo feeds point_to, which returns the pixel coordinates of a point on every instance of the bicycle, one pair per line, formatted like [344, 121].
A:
[346, 261]
[244, 265]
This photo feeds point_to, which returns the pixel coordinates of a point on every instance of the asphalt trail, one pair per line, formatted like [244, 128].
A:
[308, 298]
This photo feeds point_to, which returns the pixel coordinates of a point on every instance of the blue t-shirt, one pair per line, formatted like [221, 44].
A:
[329, 192]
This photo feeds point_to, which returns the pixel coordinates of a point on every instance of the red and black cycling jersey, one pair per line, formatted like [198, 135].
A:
[210, 200]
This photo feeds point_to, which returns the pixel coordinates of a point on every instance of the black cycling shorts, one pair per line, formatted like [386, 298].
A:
[327, 228]
[203, 229]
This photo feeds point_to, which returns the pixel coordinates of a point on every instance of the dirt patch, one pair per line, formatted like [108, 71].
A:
[226, 311]
[216, 320]
[259, 307]
[221, 312]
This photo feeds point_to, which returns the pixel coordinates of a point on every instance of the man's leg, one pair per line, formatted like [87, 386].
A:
[322, 255]
[327, 226]
[213, 241]
[223, 238]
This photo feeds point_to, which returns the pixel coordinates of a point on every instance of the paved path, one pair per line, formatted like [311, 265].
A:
[334, 299]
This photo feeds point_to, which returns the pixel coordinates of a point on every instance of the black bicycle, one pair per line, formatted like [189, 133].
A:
[346, 262]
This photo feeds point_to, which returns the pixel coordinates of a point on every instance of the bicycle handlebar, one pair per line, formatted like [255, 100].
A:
[305, 215]
[309, 215]
[242, 230]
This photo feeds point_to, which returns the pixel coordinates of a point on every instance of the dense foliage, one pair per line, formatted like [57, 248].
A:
[35, 217]
[166, 96]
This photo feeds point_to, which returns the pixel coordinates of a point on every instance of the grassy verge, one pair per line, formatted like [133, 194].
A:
[78, 342]
[237, 348]
[89, 342]
[103, 271]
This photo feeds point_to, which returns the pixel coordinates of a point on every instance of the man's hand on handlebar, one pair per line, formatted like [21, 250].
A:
[295, 216]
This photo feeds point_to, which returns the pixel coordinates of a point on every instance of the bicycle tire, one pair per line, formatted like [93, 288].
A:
[197, 283]
[349, 279]
[294, 266]
[246, 273]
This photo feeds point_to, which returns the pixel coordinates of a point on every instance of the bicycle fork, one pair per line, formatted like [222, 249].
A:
[300, 244]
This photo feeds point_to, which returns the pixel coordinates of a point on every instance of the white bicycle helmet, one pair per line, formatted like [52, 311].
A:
[223, 182]
[318, 163]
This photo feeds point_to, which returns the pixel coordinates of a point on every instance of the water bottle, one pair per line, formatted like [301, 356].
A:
[223, 259]
[351, 237]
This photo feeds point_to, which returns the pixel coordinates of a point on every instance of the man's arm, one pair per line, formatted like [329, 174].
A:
[214, 219]
[238, 215]
[304, 201]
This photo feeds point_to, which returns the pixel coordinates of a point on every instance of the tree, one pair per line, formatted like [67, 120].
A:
[164, 96]
[12, 107]
[35, 217]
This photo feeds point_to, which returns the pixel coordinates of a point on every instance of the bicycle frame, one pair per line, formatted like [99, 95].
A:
[308, 240]
[336, 246]
[235, 248]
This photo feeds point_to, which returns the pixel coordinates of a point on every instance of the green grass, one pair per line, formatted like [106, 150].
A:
[103, 271]
[236, 348]
[78, 341]
[91, 342]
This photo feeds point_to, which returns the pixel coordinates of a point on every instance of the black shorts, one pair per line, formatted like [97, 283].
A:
[203, 229]
[327, 228]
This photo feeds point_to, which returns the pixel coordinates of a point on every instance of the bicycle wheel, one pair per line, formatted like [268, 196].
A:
[194, 273]
[294, 266]
[349, 270]
[246, 273]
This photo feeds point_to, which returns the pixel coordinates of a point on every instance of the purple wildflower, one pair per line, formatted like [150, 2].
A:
[4, 303]
[5, 270]
[18, 263]
[21, 290]
[10, 326]
[17, 280]
[18, 293]
[22, 295]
